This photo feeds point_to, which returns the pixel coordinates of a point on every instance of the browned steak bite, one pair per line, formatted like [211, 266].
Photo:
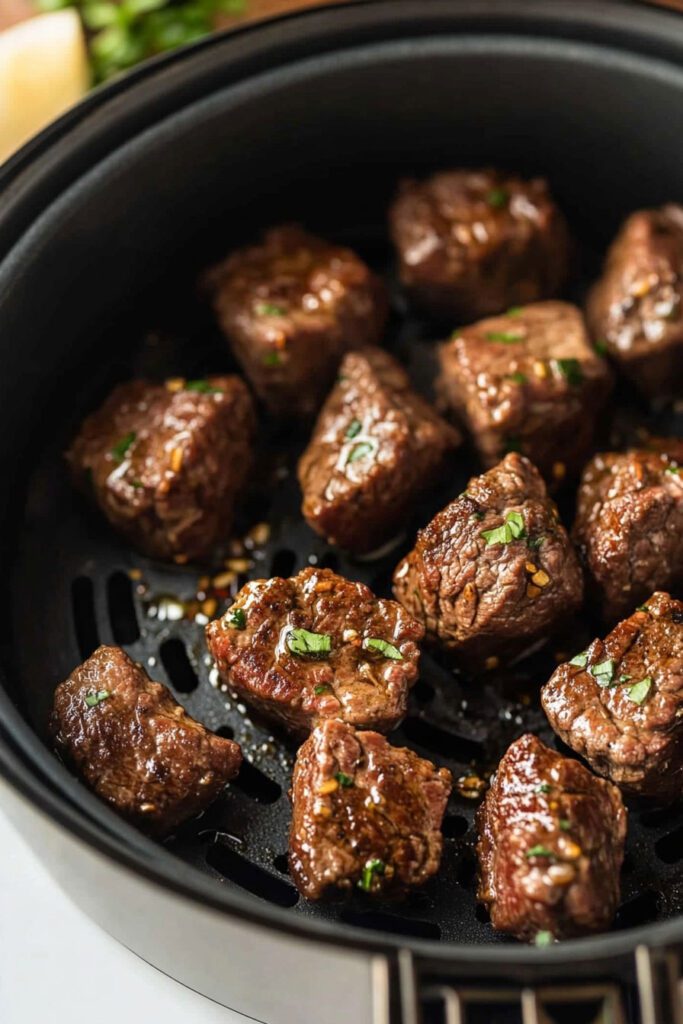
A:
[166, 462]
[291, 307]
[377, 444]
[551, 843]
[472, 243]
[629, 523]
[620, 703]
[527, 381]
[494, 570]
[135, 746]
[317, 646]
[366, 815]
[635, 310]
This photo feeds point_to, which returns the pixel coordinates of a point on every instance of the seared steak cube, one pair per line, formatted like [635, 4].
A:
[166, 462]
[135, 746]
[377, 444]
[629, 523]
[291, 307]
[635, 310]
[317, 646]
[494, 570]
[620, 702]
[366, 815]
[527, 381]
[472, 243]
[551, 844]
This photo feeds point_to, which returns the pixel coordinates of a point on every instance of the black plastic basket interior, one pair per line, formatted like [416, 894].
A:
[77, 585]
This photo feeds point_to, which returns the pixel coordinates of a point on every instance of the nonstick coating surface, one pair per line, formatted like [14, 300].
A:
[73, 589]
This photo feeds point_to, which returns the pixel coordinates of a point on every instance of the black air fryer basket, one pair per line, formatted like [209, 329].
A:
[105, 221]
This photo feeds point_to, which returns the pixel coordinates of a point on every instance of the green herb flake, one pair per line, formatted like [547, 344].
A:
[543, 939]
[515, 311]
[544, 787]
[673, 470]
[204, 387]
[121, 447]
[580, 660]
[505, 337]
[309, 645]
[539, 851]
[360, 451]
[512, 529]
[603, 673]
[601, 347]
[272, 359]
[570, 369]
[353, 430]
[383, 647]
[137, 484]
[344, 780]
[269, 309]
[565, 824]
[320, 689]
[497, 198]
[372, 868]
[237, 619]
[639, 692]
[643, 608]
[535, 542]
[96, 697]
[517, 378]
[624, 678]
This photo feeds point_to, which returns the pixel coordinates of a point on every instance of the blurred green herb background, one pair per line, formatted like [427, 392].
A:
[122, 33]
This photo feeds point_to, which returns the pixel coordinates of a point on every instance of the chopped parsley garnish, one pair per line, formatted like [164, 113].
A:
[565, 824]
[497, 198]
[506, 337]
[638, 693]
[121, 447]
[353, 430]
[603, 673]
[544, 939]
[512, 529]
[643, 608]
[580, 660]
[515, 311]
[517, 378]
[269, 309]
[95, 698]
[624, 678]
[137, 484]
[601, 347]
[322, 688]
[539, 851]
[673, 470]
[544, 787]
[535, 542]
[372, 868]
[272, 359]
[237, 619]
[359, 451]
[570, 370]
[383, 647]
[204, 387]
[309, 645]
[344, 780]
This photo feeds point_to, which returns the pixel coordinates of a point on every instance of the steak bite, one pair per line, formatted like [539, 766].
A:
[494, 570]
[291, 306]
[135, 746]
[317, 646]
[472, 243]
[527, 381]
[635, 310]
[365, 815]
[629, 523]
[620, 702]
[551, 844]
[166, 462]
[377, 444]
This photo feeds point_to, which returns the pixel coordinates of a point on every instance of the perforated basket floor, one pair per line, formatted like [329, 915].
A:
[77, 585]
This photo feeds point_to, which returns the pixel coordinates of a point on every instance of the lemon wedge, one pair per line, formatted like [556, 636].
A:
[43, 71]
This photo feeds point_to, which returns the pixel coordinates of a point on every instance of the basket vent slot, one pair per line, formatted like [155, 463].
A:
[640, 910]
[447, 744]
[455, 826]
[178, 667]
[250, 876]
[254, 783]
[85, 621]
[670, 847]
[124, 621]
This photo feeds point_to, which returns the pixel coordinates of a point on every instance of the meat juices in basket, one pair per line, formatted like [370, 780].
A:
[491, 576]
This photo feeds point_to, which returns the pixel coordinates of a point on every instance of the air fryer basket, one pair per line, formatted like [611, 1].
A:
[109, 219]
